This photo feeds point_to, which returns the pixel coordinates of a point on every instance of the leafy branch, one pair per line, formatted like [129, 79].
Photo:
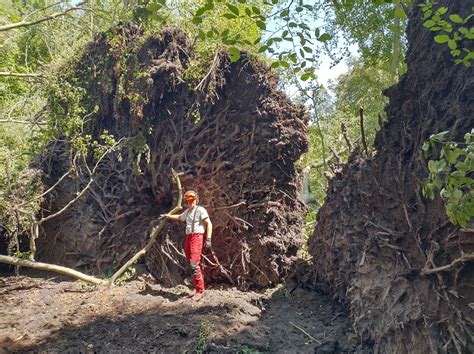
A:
[451, 174]
[453, 31]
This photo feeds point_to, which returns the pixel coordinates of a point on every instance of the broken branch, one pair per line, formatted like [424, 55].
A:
[154, 233]
[50, 267]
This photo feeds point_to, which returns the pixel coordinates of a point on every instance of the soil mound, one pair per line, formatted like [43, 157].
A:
[379, 244]
[225, 127]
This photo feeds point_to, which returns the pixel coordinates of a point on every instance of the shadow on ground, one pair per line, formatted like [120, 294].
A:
[41, 315]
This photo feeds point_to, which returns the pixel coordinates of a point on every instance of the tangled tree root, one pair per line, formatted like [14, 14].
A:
[405, 271]
[231, 135]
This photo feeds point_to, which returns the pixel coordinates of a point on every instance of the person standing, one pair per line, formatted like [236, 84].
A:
[198, 235]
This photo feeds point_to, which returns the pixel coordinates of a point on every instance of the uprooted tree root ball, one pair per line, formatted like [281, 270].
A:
[230, 133]
[405, 271]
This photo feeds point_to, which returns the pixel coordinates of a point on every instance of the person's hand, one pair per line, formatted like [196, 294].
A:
[208, 243]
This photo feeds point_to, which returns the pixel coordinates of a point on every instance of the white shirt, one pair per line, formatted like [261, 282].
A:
[194, 220]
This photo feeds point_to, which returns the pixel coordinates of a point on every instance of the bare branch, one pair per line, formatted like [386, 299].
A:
[18, 121]
[28, 75]
[51, 267]
[84, 190]
[25, 23]
[49, 190]
[362, 131]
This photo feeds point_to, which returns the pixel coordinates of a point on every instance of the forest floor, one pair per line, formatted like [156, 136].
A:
[51, 313]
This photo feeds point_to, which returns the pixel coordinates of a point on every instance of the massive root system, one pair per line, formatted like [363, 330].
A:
[406, 272]
[230, 134]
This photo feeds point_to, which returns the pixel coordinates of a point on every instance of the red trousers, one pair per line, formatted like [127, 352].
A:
[193, 245]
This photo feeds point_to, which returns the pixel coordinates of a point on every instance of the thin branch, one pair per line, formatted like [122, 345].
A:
[17, 121]
[25, 23]
[49, 190]
[81, 193]
[9, 73]
[51, 267]
[362, 131]
[306, 333]
[154, 233]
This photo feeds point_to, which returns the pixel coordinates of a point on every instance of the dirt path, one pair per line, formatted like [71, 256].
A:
[59, 315]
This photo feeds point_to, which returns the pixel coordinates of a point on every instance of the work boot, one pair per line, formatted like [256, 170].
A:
[197, 296]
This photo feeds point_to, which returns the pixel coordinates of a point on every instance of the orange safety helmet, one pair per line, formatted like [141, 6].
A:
[191, 195]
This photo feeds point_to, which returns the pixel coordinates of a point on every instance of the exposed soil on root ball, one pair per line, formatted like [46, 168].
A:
[228, 131]
[390, 253]
[58, 315]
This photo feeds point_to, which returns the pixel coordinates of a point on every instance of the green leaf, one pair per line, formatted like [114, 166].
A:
[256, 10]
[261, 25]
[428, 190]
[275, 65]
[284, 13]
[197, 20]
[233, 9]
[284, 64]
[153, 7]
[429, 23]
[225, 33]
[292, 25]
[234, 54]
[456, 18]
[452, 44]
[442, 10]
[400, 13]
[201, 11]
[201, 34]
[229, 16]
[441, 38]
[457, 194]
[305, 77]
[262, 49]
[427, 14]
[439, 136]
[433, 167]
[307, 49]
[325, 37]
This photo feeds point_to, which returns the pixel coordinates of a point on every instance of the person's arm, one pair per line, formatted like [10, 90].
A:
[175, 217]
[208, 224]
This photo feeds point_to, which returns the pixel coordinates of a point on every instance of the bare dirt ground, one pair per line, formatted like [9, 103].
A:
[59, 315]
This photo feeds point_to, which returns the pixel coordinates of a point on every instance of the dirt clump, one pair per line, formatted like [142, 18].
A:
[379, 245]
[230, 133]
